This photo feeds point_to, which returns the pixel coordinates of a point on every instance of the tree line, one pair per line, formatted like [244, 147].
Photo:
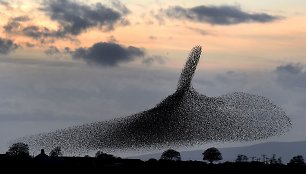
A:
[211, 155]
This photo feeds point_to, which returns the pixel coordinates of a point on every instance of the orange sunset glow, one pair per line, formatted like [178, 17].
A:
[149, 28]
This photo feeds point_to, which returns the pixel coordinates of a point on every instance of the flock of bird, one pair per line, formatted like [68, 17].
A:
[185, 118]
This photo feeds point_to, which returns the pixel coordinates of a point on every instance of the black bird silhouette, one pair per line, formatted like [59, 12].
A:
[184, 118]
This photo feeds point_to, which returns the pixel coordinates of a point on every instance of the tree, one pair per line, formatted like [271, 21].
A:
[264, 158]
[279, 160]
[56, 152]
[152, 160]
[297, 160]
[212, 154]
[241, 158]
[19, 149]
[171, 154]
[105, 156]
[273, 160]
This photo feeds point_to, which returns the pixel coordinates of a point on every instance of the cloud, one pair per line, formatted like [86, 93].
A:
[5, 3]
[29, 45]
[152, 37]
[7, 46]
[21, 18]
[36, 32]
[291, 76]
[290, 68]
[11, 26]
[108, 54]
[43, 34]
[52, 50]
[200, 31]
[14, 23]
[75, 18]
[112, 39]
[154, 59]
[120, 7]
[217, 15]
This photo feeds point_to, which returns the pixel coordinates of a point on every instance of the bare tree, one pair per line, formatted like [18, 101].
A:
[56, 152]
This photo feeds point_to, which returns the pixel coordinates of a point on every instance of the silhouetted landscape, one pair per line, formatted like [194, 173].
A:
[96, 86]
[285, 150]
[18, 160]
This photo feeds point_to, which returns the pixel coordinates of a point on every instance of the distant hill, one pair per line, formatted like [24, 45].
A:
[285, 150]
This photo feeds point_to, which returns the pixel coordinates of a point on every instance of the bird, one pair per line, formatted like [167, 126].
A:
[184, 119]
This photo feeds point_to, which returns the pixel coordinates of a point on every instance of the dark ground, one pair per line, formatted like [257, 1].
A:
[98, 165]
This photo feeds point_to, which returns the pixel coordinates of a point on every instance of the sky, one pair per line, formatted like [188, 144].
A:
[69, 62]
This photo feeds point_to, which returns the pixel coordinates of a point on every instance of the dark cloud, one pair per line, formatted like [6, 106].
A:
[7, 46]
[52, 50]
[217, 15]
[43, 34]
[35, 32]
[11, 27]
[15, 23]
[75, 18]
[120, 7]
[291, 76]
[108, 54]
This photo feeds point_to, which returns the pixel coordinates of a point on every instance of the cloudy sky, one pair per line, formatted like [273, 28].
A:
[67, 62]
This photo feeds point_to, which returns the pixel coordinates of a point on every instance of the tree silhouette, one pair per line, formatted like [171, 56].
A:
[18, 149]
[279, 160]
[171, 154]
[56, 152]
[212, 154]
[104, 156]
[273, 159]
[241, 158]
[297, 160]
